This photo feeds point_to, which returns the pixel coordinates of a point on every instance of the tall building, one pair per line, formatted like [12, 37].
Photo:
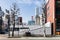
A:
[31, 22]
[37, 22]
[53, 15]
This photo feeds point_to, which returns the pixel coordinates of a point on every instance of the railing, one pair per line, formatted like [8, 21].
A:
[28, 29]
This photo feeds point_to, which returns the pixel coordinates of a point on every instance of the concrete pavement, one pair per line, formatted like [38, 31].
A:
[5, 37]
[32, 38]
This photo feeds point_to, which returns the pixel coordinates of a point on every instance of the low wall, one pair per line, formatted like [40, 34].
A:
[35, 30]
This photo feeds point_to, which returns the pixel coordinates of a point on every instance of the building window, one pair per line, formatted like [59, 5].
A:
[48, 2]
[48, 14]
[48, 8]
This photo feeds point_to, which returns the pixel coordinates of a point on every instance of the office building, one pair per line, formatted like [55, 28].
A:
[31, 22]
[37, 17]
[53, 15]
[20, 20]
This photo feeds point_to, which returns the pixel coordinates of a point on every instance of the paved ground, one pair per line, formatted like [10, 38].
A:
[4, 37]
[32, 38]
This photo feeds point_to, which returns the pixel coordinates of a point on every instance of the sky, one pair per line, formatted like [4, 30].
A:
[27, 7]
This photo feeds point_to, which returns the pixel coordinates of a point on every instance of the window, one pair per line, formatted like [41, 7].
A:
[48, 8]
[58, 10]
[48, 14]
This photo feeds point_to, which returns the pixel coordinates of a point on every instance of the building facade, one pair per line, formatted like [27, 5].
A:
[53, 15]
[20, 20]
[32, 21]
[41, 22]
[37, 17]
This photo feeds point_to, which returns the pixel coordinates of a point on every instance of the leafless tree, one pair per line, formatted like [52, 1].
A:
[14, 11]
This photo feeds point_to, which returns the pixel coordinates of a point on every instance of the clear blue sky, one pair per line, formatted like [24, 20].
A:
[27, 7]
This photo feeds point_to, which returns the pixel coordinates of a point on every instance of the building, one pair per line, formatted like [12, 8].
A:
[1, 21]
[53, 15]
[31, 22]
[41, 22]
[37, 17]
[20, 20]
[37, 20]
[16, 19]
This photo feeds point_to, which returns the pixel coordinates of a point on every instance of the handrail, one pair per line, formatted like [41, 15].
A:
[33, 29]
[29, 29]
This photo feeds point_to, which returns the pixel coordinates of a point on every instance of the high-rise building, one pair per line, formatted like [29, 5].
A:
[31, 22]
[53, 15]
[37, 16]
